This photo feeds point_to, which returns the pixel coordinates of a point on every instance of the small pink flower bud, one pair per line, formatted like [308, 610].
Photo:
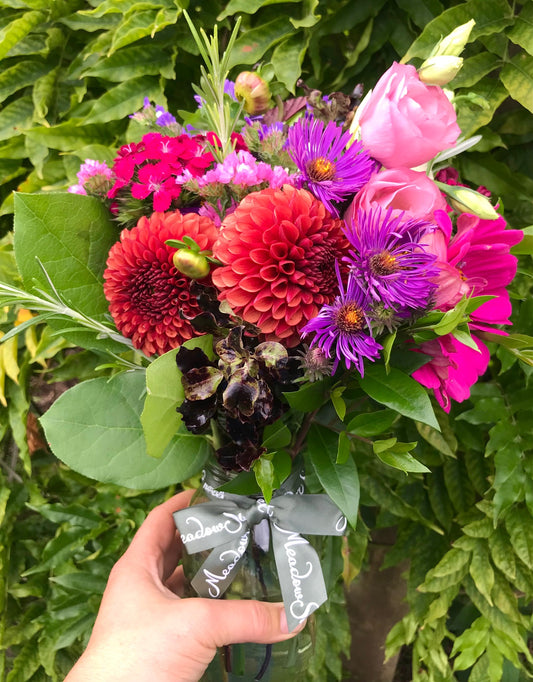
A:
[255, 92]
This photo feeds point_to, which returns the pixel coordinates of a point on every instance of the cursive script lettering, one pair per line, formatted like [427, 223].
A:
[220, 494]
[212, 579]
[233, 525]
[298, 608]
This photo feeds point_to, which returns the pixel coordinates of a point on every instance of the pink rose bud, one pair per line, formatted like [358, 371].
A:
[403, 190]
[191, 264]
[404, 122]
[250, 87]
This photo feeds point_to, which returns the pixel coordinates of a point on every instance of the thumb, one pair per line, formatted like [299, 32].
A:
[234, 621]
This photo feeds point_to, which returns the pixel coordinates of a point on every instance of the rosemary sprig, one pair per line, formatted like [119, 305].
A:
[216, 104]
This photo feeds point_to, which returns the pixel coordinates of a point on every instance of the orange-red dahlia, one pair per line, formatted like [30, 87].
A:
[145, 291]
[279, 249]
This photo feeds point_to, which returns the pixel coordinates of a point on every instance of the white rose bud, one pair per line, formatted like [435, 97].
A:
[466, 200]
[439, 70]
[453, 44]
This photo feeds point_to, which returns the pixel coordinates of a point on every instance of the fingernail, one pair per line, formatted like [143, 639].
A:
[284, 627]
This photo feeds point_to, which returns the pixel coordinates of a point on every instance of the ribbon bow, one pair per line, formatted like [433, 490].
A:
[225, 525]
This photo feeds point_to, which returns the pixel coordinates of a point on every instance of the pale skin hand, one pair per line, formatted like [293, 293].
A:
[145, 632]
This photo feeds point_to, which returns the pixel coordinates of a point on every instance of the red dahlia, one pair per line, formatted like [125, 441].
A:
[279, 249]
[145, 291]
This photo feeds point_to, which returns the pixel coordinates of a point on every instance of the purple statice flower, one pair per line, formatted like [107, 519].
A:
[332, 169]
[388, 259]
[342, 329]
[229, 89]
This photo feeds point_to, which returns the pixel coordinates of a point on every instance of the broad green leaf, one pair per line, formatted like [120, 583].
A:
[73, 514]
[474, 69]
[519, 523]
[247, 6]
[402, 460]
[132, 62]
[482, 574]
[340, 481]
[71, 135]
[502, 554]
[308, 398]
[20, 75]
[118, 102]
[164, 393]
[276, 436]
[458, 486]
[81, 581]
[399, 392]
[338, 402]
[95, 429]
[372, 423]
[478, 108]
[265, 476]
[421, 12]
[490, 18]
[343, 448]
[18, 29]
[438, 498]
[437, 439]
[309, 18]
[15, 117]
[71, 235]
[43, 95]
[517, 76]
[287, 60]
[251, 46]
[141, 23]
[521, 33]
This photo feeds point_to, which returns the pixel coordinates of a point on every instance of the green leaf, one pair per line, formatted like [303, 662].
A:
[482, 574]
[14, 32]
[474, 69]
[71, 235]
[519, 523]
[287, 60]
[164, 393]
[95, 429]
[517, 76]
[502, 553]
[20, 75]
[338, 402]
[15, 117]
[252, 45]
[71, 135]
[139, 23]
[399, 392]
[372, 423]
[402, 460]
[310, 397]
[265, 476]
[521, 32]
[444, 443]
[480, 105]
[118, 102]
[343, 448]
[132, 62]
[247, 6]
[490, 18]
[460, 491]
[340, 481]
[276, 436]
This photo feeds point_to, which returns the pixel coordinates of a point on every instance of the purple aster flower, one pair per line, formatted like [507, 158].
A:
[388, 260]
[332, 169]
[343, 328]
[163, 117]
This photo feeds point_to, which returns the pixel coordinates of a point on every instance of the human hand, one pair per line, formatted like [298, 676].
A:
[145, 632]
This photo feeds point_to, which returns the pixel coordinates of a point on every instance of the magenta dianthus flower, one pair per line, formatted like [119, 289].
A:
[389, 261]
[342, 329]
[332, 170]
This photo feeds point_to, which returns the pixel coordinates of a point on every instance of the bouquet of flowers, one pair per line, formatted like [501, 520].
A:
[272, 284]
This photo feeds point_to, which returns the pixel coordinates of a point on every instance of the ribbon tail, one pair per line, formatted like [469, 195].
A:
[220, 568]
[300, 575]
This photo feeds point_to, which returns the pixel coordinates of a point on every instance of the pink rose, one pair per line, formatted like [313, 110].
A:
[405, 122]
[403, 190]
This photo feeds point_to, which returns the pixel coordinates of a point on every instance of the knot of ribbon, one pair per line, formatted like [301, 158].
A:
[225, 524]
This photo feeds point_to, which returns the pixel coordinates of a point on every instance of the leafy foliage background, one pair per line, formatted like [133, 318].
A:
[71, 73]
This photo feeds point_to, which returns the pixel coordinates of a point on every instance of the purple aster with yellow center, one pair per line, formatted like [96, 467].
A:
[342, 329]
[332, 168]
[388, 260]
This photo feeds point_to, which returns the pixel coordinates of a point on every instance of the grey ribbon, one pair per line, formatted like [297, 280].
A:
[225, 525]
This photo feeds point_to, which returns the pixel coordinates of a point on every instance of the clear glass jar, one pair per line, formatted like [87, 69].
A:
[257, 578]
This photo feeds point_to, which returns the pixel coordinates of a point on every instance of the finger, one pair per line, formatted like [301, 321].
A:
[156, 544]
[233, 621]
[176, 582]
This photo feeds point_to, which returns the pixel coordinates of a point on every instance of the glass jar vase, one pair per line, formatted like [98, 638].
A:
[255, 578]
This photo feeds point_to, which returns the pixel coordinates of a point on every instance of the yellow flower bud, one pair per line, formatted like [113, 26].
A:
[453, 44]
[439, 70]
[255, 92]
[466, 200]
[191, 264]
